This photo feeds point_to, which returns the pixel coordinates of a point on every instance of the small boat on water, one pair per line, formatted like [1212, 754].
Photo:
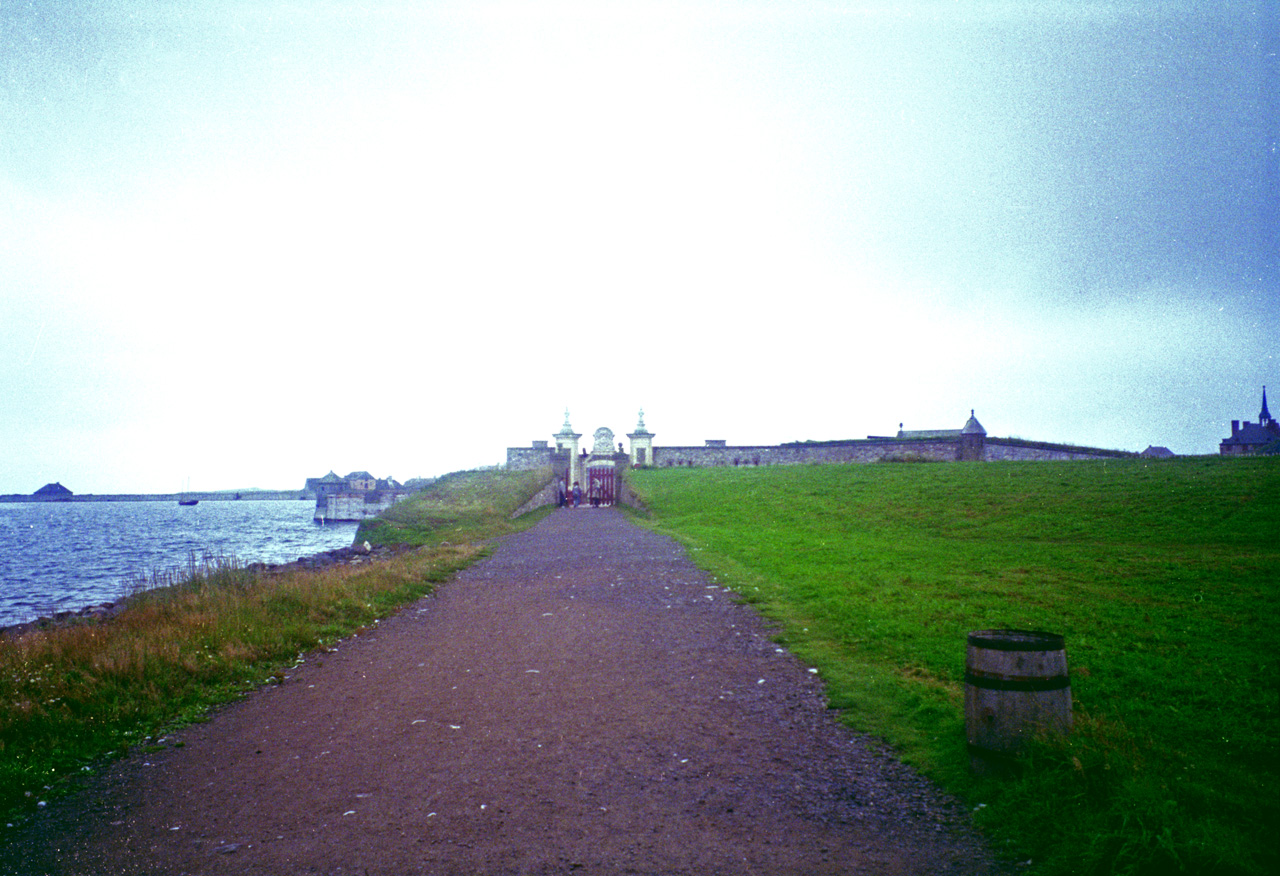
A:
[185, 501]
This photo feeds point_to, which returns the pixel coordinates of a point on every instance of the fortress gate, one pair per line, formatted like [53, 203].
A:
[601, 470]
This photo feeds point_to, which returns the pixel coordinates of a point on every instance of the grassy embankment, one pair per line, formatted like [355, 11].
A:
[1163, 576]
[72, 695]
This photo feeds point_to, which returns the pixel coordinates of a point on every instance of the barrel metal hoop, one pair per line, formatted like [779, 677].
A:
[1017, 640]
[1024, 683]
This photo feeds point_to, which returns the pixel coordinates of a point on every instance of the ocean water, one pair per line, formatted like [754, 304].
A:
[64, 556]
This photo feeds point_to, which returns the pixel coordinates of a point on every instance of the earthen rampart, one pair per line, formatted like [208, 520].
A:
[1006, 449]
[801, 453]
[876, 450]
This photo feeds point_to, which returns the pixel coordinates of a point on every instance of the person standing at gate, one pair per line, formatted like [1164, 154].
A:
[577, 494]
[559, 493]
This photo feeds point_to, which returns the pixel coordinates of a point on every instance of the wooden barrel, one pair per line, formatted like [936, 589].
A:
[1015, 686]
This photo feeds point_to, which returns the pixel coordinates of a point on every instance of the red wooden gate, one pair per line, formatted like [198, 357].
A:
[600, 484]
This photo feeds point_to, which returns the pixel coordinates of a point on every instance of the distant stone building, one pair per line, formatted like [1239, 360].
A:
[330, 483]
[361, 481]
[354, 497]
[1253, 439]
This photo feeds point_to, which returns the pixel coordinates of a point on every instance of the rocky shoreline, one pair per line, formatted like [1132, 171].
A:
[346, 556]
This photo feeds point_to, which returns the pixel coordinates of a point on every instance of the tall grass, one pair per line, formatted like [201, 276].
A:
[478, 503]
[75, 692]
[1162, 575]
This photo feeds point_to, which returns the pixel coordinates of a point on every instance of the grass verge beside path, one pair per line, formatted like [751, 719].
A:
[468, 504]
[1164, 576]
[73, 694]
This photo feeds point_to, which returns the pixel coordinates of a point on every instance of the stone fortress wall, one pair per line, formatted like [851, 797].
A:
[877, 450]
[969, 443]
[525, 458]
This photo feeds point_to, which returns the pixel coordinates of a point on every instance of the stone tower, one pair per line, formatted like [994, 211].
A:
[567, 442]
[973, 440]
[641, 444]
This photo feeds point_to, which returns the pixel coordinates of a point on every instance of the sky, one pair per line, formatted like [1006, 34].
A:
[245, 242]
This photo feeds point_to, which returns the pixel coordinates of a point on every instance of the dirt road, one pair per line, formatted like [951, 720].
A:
[583, 701]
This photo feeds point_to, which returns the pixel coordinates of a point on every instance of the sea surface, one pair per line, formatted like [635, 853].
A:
[64, 556]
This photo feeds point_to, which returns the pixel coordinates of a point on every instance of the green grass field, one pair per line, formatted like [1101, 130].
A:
[1162, 575]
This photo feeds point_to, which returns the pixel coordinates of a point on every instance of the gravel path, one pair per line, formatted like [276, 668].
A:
[583, 701]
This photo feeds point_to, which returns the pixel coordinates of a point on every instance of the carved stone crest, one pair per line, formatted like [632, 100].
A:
[603, 445]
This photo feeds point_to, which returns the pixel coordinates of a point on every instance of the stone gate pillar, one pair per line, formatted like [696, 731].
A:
[641, 444]
[567, 441]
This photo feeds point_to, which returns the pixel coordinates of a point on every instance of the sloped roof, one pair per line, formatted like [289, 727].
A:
[54, 489]
[1253, 433]
[972, 426]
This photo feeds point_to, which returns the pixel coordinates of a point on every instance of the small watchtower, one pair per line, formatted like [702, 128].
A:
[973, 440]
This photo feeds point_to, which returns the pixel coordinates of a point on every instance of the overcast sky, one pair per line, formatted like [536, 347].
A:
[244, 242]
